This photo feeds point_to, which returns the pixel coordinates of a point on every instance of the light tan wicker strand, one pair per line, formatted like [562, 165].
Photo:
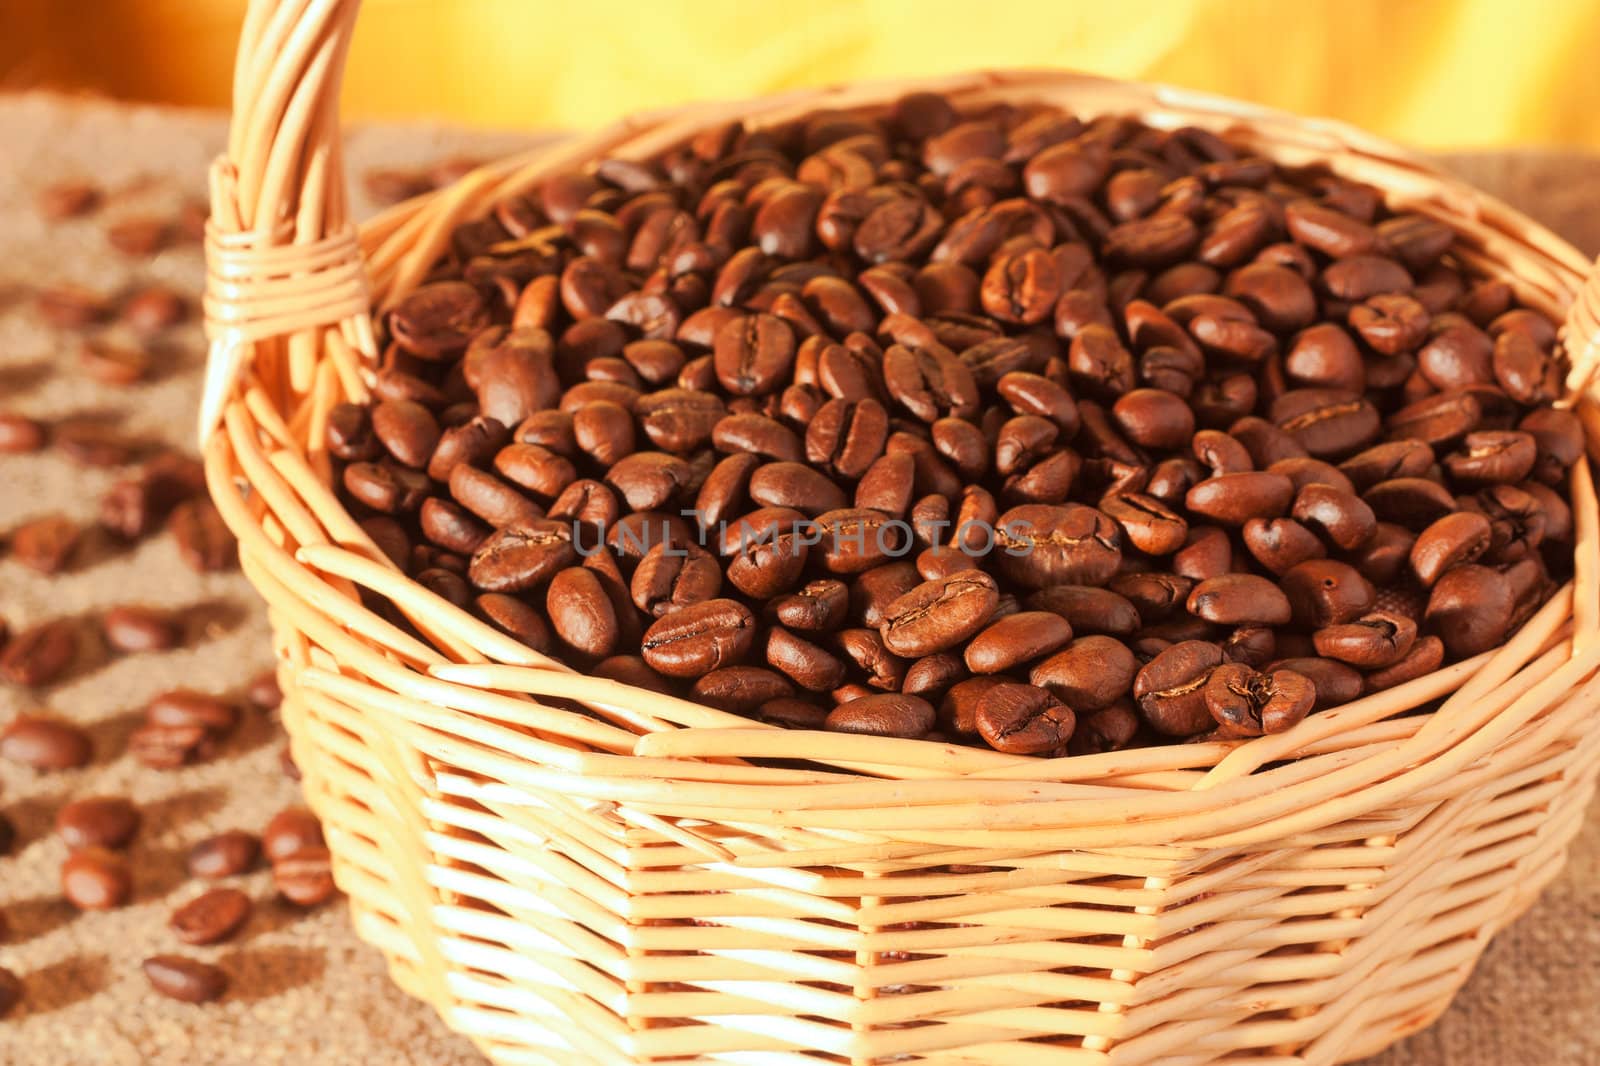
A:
[627, 884]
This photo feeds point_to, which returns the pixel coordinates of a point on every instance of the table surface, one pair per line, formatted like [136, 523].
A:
[304, 990]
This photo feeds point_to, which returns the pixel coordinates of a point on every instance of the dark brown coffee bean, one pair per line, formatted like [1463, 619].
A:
[853, 540]
[818, 607]
[1148, 524]
[1373, 641]
[1024, 720]
[1426, 656]
[930, 383]
[1328, 231]
[740, 689]
[185, 980]
[1039, 545]
[140, 629]
[1360, 277]
[1453, 540]
[514, 618]
[97, 821]
[1323, 356]
[699, 638]
[45, 544]
[40, 654]
[96, 879]
[185, 707]
[580, 612]
[1279, 544]
[1327, 422]
[1246, 703]
[211, 917]
[205, 543]
[1090, 673]
[167, 747]
[1088, 610]
[1492, 457]
[1325, 592]
[1437, 420]
[291, 830]
[1155, 595]
[1234, 499]
[941, 614]
[523, 555]
[1099, 364]
[864, 648]
[1339, 517]
[753, 355]
[1470, 609]
[1016, 640]
[1207, 552]
[1020, 288]
[888, 714]
[1280, 299]
[796, 486]
[792, 713]
[808, 665]
[875, 589]
[305, 878]
[1239, 599]
[230, 852]
[671, 577]
[1170, 688]
[1456, 356]
[759, 435]
[439, 319]
[1392, 459]
[1412, 502]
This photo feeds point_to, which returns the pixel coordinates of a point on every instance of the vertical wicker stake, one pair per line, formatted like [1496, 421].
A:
[628, 884]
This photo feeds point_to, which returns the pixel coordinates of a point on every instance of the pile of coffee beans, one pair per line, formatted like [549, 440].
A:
[994, 426]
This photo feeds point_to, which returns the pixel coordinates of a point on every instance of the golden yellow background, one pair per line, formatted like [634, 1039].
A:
[1434, 73]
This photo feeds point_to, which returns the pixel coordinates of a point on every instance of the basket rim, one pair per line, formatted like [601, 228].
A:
[1361, 754]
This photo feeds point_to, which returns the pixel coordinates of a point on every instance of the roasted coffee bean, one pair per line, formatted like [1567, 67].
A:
[185, 707]
[1373, 641]
[1024, 720]
[1414, 503]
[1328, 423]
[98, 822]
[930, 676]
[820, 606]
[941, 614]
[1324, 592]
[520, 556]
[230, 852]
[1207, 552]
[1246, 703]
[1234, 499]
[581, 613]
[1280, 544]
[1453, 540]
[1090, 673]
[1470, 609]
[1170, 688]
[140, 629]
[291, 830]
[206, 545]
[1426, 656]
[40, 654]
[185, 980]
[1392, 459]
[810, 666]
[211, 917]
[852, 540]
[875, 589]
[514, 618]
[1437, 420]
[1016, 640]
[1337, 516]
[1039, 545]
[865, 649]
[166, 747]
[1239, 599]
[1492, 457]
[699, 638]
[793, 713]
[670, 577]
[740, 689]
[11, 991]
[889, 714]
[45, 544]
[96, 879]
[796, 486]
[1149, 525]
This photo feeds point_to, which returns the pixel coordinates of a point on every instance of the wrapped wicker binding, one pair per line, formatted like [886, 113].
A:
[634, 884]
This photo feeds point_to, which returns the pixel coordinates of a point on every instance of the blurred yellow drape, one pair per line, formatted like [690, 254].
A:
[1434, 73]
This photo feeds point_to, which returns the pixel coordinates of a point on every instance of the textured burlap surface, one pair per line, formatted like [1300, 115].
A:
[304, 990]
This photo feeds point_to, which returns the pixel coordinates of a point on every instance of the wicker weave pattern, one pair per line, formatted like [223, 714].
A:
[624, 886]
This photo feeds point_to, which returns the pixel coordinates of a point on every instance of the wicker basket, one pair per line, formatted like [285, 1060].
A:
[630, 886]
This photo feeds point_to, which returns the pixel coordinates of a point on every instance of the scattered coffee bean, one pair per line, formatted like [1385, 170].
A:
[71, 198]
[96, 879]
[205, 543]
[183, 979]
[230, 852]
[20, 434]
[45, 544]
[44, 743]
[305, 878]
[97, 821]
[211, 917]
[11, 991]
[140, 629]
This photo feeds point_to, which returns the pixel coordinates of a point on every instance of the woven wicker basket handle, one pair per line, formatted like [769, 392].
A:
[283, 260]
